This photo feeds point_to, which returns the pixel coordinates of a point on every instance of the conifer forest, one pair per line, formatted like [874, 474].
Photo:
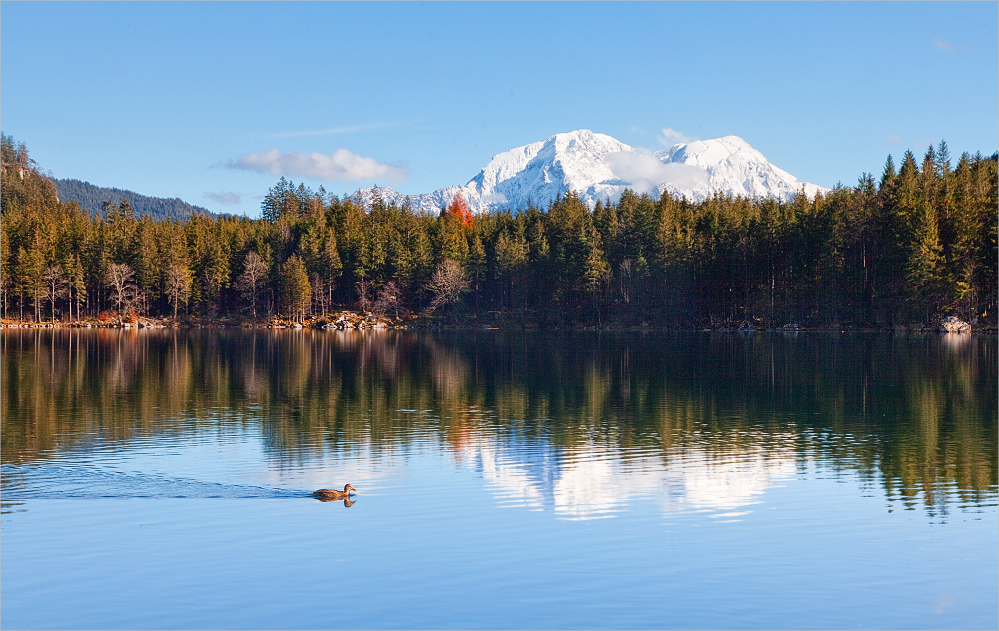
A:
[906, 248]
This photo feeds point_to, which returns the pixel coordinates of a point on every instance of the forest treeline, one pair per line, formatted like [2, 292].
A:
[917, 244]
[91, 198]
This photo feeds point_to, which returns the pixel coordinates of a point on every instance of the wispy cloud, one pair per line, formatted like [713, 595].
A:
[339, 166]
[229, 198]
[671, 137]
[950, 47]
[332, 131]
[645, 173]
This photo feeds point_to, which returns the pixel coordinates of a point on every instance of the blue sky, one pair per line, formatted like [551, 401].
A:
[211, 102]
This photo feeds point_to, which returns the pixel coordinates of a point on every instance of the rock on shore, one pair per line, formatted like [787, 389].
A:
[954, 324]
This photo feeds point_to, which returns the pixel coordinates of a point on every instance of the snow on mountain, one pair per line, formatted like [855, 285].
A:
[599, 167]
[732, 166]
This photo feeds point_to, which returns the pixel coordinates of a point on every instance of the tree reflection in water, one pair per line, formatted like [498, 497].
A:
[549, 419]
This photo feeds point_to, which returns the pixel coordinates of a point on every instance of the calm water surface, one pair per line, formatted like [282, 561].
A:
[507, 480]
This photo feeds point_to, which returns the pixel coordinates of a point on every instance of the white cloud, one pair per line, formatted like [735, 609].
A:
[332, 131]
[494, 198]
[671, 137]
[645, 173]
[942, 45]
[339, 166]
[229, 198]
[950, 47]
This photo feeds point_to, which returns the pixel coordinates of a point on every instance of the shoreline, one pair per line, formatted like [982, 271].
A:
[349, 320]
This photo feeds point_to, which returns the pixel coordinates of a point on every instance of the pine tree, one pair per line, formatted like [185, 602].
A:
[295, 287]
[511, 258]
[284, 200]
[476, 266]
[596, 271]
[77, 284]
[6, 265]
[30, 271]
[121, 227]
[925, 265]
[943, 160]
[319, 251]
[888, 177]
[147, 258]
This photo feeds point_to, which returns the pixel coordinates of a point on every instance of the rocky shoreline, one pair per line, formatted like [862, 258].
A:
[339, 320]
[352, 320]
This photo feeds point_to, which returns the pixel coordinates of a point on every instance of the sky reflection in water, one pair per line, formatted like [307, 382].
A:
[787, 449]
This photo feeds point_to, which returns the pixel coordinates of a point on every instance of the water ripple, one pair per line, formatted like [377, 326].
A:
[45, 481]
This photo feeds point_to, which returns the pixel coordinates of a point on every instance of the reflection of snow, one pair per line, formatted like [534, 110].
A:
[589, 481]
[511, 480]
[586, 486]
[733, 483]
[598, 481]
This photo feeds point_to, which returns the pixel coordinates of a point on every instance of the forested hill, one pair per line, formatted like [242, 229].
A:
[91, 198]
[909, 248]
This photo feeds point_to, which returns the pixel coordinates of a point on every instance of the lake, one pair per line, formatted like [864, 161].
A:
[162, 479]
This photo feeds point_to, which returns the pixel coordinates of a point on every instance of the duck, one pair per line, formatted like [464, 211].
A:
[333, 494]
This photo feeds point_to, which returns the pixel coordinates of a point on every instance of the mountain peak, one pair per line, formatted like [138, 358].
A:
[600, 167]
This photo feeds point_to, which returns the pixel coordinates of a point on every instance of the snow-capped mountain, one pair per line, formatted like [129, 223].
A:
[599, 167]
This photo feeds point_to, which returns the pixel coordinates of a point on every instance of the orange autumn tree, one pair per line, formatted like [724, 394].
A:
[459, 210]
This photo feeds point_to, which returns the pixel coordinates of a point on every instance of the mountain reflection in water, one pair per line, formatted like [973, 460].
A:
[579, 423]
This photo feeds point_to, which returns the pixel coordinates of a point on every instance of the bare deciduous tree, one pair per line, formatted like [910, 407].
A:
[250, 281]
[447, 284]
[177, 284]
[388, 297]
[133, 300]
[55, 285]
[318, 293]
[364, 302]
[118, 276]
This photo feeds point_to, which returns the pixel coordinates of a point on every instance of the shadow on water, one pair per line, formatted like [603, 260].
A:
[915, 415]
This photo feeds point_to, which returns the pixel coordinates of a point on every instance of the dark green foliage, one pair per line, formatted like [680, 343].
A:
[295, 289]
[911, 248]
[92, 199]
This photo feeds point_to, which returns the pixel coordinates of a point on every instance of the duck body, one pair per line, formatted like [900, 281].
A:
[333, 494]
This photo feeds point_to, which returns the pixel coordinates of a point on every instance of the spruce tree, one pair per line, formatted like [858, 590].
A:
[296, 291]
[925, 265]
